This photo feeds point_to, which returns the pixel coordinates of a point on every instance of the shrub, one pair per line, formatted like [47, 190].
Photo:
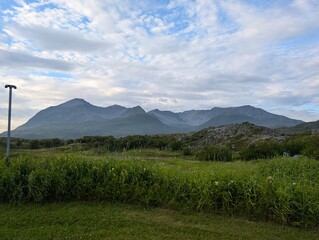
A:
[34, 144]
[212, 153]
[187, 151]
[312, 149]
[261, 150]
[176, 145]
[294, 146]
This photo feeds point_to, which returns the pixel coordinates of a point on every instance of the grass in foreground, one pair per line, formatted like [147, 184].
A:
[282, 190]
[87, 220]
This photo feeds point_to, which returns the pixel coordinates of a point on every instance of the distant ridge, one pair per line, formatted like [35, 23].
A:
[77, 118]
[221, 116]
[305, 127]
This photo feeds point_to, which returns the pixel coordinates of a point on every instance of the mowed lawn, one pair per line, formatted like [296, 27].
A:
[92, 220]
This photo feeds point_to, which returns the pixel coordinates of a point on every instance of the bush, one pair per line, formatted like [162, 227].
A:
[212, 153]
[187, 151]
[294, 146]
[176, 145]
[312, 147]
[261, 150]
[34, 144]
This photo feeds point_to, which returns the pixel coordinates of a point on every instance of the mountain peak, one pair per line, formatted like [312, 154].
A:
[134, 111]
[138, 108]
[75, 102]
[247, 106]
[116, 106]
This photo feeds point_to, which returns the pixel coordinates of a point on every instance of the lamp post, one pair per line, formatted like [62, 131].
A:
[9, 122]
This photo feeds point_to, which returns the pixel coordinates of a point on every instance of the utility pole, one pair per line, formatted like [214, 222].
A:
[9, 122]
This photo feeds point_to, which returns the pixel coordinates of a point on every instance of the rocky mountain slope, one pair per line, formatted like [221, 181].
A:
[233, 135]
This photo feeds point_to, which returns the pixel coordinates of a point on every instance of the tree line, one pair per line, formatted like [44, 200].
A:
[307, 145]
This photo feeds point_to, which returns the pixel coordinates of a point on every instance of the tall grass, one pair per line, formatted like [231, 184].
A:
[282, 190]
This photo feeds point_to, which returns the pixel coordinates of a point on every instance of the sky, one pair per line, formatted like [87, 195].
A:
[166, 54]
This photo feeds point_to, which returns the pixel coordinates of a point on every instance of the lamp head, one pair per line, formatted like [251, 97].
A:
[10, 86]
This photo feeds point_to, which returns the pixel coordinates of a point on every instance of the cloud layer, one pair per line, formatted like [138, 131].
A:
[178, 54]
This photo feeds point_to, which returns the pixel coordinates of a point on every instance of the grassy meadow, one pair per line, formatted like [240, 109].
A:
[279, 193]
[104, 220]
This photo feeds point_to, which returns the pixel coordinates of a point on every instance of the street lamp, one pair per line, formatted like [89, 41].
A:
[9, 122]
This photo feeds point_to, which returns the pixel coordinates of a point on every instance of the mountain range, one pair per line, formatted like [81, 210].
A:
[77, 118]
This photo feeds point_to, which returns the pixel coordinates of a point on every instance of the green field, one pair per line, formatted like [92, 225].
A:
[158, 194]
[90, 220]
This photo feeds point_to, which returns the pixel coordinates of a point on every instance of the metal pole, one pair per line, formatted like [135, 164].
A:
[9, 122]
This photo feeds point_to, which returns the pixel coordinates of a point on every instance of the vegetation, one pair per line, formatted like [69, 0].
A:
[108, 143]
[282, 190]
[167, 171]
[261, 150]
[212, 153]
[91, 220]
[299, 144]
[307, 145]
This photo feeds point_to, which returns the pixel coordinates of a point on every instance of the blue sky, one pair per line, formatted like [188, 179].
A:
[167, 54]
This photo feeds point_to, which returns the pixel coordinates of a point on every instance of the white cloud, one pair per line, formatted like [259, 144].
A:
[20, 60]
[55, 40]
[175, 55]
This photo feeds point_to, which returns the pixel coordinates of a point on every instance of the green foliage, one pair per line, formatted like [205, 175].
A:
[295, 146]
[213, 153]
[111, 144]
[187, 151]
[176, 145]
[35, 144]
[91, 220]
[299, 144]
[311, 148]
[282, 190]
[261, 150]
[307, 145]
[17, 143]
